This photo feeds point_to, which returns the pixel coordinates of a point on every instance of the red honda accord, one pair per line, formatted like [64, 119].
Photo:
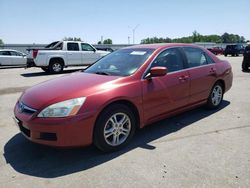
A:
[127, 89]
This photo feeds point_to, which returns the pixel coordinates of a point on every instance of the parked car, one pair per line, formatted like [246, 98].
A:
[127, 89]
[62, 54]
[216, 50]
[10, 57]
[234, 50]
[246, 59]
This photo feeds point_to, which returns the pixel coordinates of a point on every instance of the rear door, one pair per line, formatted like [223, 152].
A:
[88, 54]
[162, 95]
[73, 53]
[202, 71]
[5, 58]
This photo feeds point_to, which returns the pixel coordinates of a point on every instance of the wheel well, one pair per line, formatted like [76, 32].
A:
[222, 83]
[131, 106]
[57, 59]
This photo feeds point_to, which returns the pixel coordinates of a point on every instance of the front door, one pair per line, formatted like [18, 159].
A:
[162, 95]
[89, 55]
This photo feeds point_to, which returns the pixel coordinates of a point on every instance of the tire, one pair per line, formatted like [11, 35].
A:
[215, 97]
[55, 67]
[45, 69]
[244, 65]
[117, 134]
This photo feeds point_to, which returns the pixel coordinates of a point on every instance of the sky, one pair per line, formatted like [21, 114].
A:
[44, 21]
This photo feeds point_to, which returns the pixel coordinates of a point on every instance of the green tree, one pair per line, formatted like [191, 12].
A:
[225, 38]
[196, 37]
[107, 41]
[72, 39]
[1, 41]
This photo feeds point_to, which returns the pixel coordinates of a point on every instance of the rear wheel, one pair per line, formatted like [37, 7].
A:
[114, 128]
[216, 96]
[56, 67]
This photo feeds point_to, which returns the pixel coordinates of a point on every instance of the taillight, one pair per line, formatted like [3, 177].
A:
[35, 53]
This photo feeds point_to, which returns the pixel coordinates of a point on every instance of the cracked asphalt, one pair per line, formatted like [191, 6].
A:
[198, 148]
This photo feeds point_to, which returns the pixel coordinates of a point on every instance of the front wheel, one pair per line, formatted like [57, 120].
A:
[216, 96]
[114, 128]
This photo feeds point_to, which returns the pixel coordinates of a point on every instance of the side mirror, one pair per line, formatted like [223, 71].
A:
[157, 72]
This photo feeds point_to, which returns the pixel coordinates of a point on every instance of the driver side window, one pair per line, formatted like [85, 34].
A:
[86, 47]
[171, 59]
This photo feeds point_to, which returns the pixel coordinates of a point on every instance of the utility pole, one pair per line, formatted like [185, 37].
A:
[134, 32]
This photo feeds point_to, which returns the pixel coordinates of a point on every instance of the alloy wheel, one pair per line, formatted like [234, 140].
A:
[117, 129]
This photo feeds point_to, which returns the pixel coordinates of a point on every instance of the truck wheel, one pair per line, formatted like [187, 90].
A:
[55, 67]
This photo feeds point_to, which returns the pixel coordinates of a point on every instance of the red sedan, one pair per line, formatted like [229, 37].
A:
[216, 50]
[127, 89]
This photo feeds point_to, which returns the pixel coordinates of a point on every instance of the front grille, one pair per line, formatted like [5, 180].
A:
[48, 136]
[22, 108]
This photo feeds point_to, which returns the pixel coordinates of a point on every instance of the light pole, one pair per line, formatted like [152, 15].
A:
[134, 32]
[128, 39]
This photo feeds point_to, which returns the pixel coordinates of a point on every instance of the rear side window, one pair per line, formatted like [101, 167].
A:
[171, 59]
[73, 46]
[195, 57]
[15, 53]
[209, 59]
[4, 53]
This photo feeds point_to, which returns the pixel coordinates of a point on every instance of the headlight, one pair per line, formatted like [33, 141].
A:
[63, 109]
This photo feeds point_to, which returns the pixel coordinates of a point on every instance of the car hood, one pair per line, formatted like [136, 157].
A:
[66, 87]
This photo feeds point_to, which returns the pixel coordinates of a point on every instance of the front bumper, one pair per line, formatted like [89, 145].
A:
[72, 131]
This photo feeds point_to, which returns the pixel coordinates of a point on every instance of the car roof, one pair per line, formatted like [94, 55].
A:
[161, 45]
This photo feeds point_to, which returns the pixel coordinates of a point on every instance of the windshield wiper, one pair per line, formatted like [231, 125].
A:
[102, 73]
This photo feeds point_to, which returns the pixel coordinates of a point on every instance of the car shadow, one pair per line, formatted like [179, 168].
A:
[42, 161]
[12, 67]
[35, 74]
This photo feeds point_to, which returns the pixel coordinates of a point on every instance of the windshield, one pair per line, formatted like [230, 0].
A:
[122, 62]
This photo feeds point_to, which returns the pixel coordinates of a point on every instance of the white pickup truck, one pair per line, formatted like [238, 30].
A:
[60, 54]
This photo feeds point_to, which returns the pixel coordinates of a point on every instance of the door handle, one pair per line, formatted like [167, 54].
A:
[183, 78]
[212, 71]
